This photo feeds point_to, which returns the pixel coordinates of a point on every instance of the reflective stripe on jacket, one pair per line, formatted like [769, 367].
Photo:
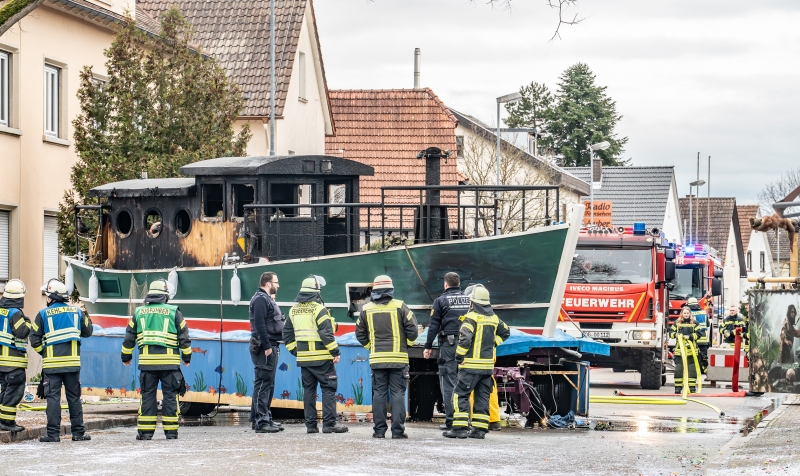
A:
[479, 337]
[306, 320]
[691, 332]
[7, 327]
[61, 324]
[387, 330]
[156, 324]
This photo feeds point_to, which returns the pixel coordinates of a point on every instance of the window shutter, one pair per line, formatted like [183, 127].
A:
[4, 248]
[50, 248]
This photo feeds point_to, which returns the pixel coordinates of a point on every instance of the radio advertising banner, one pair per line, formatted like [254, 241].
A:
[602, 213]
[774, 341]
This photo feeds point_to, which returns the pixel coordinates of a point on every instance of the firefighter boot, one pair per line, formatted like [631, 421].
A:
[334, 429]
[83, 437]
[477, 434]
[495, 426]
[13, 427]
[460, 433]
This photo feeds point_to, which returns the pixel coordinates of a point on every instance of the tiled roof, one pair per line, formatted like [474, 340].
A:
[88, 11]
[720, 214]
[560, 175]
[236, 33]
[746, 212]
[386, 129]
[639, 194]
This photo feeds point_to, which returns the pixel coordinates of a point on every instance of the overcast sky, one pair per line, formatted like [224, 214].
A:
[719, 77]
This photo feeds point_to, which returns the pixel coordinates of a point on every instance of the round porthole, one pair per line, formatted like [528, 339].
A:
[153, 223]
[183, 223]
[124, 223]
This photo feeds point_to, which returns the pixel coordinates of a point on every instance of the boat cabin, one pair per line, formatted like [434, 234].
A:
[222, 207]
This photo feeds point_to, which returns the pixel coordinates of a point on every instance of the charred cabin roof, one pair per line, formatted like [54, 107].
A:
[159, 187]
[277, 165]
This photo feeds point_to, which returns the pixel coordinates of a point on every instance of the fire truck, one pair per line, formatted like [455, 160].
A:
[698, 274]
[617, 294]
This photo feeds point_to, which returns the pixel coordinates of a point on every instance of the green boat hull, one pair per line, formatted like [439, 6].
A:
[520, 271]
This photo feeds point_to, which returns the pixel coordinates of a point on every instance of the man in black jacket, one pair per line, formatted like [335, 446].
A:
[445, 323]
[266, 328]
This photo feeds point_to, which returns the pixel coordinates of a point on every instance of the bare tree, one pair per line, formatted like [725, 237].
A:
[564, 16]
[776, 190]
[478, 164]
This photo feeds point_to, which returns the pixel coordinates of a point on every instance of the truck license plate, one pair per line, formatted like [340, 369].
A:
[598, 335]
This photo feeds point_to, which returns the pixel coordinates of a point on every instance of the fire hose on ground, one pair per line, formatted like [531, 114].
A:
[643, 400]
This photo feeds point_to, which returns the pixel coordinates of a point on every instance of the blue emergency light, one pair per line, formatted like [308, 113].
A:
[639, 228]
[689, 250]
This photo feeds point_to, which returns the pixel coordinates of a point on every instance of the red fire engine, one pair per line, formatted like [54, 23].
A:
[616, 293]
[698, 274]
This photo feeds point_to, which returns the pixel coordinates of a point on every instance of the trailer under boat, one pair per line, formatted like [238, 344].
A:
[298, 216]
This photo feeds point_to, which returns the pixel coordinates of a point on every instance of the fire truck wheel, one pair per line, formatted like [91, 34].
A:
[652, 378]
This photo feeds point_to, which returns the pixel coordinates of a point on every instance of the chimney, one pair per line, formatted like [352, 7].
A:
[416, 67]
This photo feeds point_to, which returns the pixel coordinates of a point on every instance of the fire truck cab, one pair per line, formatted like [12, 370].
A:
[616, 293]
[698, 274]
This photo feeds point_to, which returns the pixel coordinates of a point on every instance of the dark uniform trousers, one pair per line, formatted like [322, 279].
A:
[324, 375]
[171, 381]
[389, 383]
[52, 390]
[448, 376]
[681, 373]
[481, 384]
[13, 389]
[263, 385]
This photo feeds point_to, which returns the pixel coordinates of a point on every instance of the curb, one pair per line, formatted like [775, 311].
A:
[764, 417]
[91, 425]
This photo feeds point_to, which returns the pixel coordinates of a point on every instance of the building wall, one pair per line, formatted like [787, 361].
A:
[36, 170]
[672, 226]
[302, 128]
[758, 244]
[731, 278]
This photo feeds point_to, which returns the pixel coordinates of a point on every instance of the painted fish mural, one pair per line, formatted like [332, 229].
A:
[284, 367]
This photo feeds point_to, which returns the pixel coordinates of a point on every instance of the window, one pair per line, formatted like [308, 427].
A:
[243, 194]
[336, 194]
[618, 266]
[213, 196]
[4, 245]
[762, 264]
[688, 283]
[153, 223]
[50, 248]
[51, 100]
[301, 73]
[183, 223]
[749, 260]
[460, 146]
[5, 87]
[288, 193]
[124, 223]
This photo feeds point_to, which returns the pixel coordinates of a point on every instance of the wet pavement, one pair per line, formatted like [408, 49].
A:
[640, 439]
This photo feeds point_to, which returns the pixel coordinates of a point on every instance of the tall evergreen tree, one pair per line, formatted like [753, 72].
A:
[533, 109]
[583, 115]
[164, 105]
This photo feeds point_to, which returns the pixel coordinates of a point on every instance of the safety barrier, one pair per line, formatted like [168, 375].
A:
[720, 365]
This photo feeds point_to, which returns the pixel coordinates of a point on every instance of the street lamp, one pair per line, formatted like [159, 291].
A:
[696, 183]
[597, 171]
[501, 100]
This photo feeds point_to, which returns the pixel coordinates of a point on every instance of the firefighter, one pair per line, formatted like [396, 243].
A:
[691, 331]
[700, 316]
[732, 322]
[14, 330]
[387, 328]
[445, 322]
[56, 334]
[266, 333]
[494, 402]
[162, 336]
[309, 336]
[481, 332]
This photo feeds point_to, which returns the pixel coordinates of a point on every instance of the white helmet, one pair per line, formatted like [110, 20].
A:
[55, 289]
[14, 289]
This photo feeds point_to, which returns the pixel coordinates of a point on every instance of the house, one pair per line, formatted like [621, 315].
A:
[780, 252]
[386, 129]
[236, 33]
[716, 224]
[476, 150]
[757, 256]
[43, 48]
[44, 44]
[639, 194]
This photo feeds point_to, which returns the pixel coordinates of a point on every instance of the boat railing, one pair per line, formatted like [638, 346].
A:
[475, 210]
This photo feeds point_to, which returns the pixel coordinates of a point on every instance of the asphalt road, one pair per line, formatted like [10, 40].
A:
[644, 439]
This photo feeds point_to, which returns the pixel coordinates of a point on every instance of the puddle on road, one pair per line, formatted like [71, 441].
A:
[666, 424]
[225, 419]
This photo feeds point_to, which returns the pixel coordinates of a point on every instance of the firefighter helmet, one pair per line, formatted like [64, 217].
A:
[14, 289]
[382, 282]
[55, 289]
[159, 286]
[480, 295]
[692, 301]
[310, 285]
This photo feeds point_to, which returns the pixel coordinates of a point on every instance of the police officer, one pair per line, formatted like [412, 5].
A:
[480, 333]
[309, 335]
[691, 331]
[700, 316]
[162, 335]
[56, 334]
[732, 322]
[266, 333]
[445, 322]
[14, 330]
[387, 328]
